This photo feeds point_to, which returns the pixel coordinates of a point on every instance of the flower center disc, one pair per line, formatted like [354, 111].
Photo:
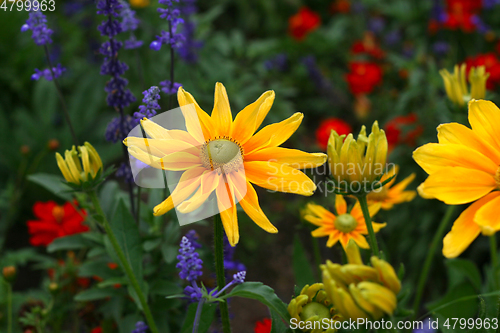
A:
[315, 309]
[58, 213]
[345, 223]
[222, 155]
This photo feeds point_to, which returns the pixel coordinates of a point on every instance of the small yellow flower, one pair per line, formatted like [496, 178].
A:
[356, 164]
[343, 226]
[360, 291]
[464, 167]
[139, 3]
[71, 168]
[313, 306]
[389, 195]
[456, 86]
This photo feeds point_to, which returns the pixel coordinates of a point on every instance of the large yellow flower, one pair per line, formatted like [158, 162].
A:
[464, 167]
[222, 155]
[390, 195]
[343, 226]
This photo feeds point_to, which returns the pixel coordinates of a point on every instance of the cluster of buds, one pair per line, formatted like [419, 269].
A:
[455, 84]
[357, 165]
[313, 305]
[81, 167]
[361, 291]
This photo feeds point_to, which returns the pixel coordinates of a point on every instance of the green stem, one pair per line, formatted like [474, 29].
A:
[494, 259]
[126, 265]
[368, 220]
[317, 256]
[219, 270]
[9, 307]
[430, 255]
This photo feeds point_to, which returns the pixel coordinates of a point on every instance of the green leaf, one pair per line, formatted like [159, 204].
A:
[96, 294]
[263, 294]
[127, 234]
[301, 267]
[72, 242]
[113, 281]
[169, 252]
[53, 184]
[278, 326]
[462, 269]
[206, 318]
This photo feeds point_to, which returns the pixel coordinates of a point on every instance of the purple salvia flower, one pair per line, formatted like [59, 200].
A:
[125, 172]
[190, 263]
[37, 23]
[392, 37]
[376, 24]
[168, 88]
[114, 131]
[140, 327]
[441, 47]
[130, 23]
[151, 97]
[238, 278]
[193, 292]
[188, 51]
[488, 4]
[47, 74]
[278, 62]
[192, 236]
[118, 95]
[169, 37]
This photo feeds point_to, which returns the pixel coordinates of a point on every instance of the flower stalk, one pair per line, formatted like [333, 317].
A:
[126, 265]
[430, 255]
[368, 220]
[494, 259]
[219, 270]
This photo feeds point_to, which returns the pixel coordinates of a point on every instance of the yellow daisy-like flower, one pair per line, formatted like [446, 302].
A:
[343, 226]
[80, 165]
[464, 167]
[361, 291]
[226, 156]
[389, 195]
[312, 306]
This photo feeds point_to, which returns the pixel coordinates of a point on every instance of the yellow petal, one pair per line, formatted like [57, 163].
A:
[227, 208]
[484, 117]
[162, 147]
[293, 157]
[209, 181]
[279, 177]
[459, 134]
[154, 130]
[274, 135]
[386, 274]
[179, 161]
[352, 253]
[250, 204]
[198, 122]
[248, 120]
[464, 229]
[61, 163]
[488, 215]
[340, 204]
[221, 114]
[433, 157]
[363, 303]
[379, 296]
[457, 185]
[319, 211]
[360, 240]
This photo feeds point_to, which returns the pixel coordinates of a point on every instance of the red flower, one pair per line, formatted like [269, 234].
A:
[340, 6]
[491, 64]
[368, 46]
[460, 14]
[55, 221]
[403, 129]
[302, 23]
[325, 128]
[363, 77]
[263, 326]
[98, 329]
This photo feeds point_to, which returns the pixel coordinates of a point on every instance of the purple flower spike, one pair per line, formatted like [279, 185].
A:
[239, 277]
[190, 263]
[151, 97]
[37, 23]
[47, 74]
[166, 87]
[140, 327]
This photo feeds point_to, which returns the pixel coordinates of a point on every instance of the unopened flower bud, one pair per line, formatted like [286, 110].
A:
[9, 273]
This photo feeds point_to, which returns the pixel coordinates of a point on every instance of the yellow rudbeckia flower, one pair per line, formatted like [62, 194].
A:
[72, 169]
[456, 86]
[464, 167]
[360, 291]
[356, 164]
[219, 143]
[312, 306]
[389, 195]
[344, 226]
[139, 3]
